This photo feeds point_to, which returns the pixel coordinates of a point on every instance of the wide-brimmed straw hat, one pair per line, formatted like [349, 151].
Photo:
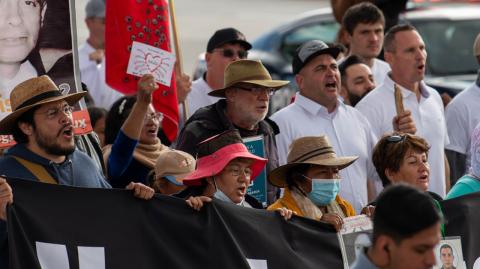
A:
[216, 152]
[314, 150]
[31, 93]
[174, 165]
[247, 71]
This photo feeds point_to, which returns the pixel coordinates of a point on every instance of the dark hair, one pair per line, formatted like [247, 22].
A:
[116, 117]
[446, 246]
[295, 174]
[349, 61]
[96, 113]
[389, 40]
[403, 211]
[26, 117]
[364, 12]
[389, 154]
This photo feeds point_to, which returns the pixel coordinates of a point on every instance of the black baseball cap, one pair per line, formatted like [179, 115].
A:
[227, 35]
[309, 50]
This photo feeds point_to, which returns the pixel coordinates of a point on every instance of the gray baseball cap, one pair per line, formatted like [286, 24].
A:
[95, 9]
[309, 50]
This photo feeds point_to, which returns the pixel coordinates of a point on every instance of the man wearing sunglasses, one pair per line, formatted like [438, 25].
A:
[246, 96]
[225, 46]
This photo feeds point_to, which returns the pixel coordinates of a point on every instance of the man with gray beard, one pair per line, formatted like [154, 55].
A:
[246, 91]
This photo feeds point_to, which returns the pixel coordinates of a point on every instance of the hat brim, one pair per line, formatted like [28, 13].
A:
[276, 84]
[278, 176]
[8, 123]
[213, 164]
[173, 180]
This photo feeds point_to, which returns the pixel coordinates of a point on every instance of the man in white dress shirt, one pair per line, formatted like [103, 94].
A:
[462, 117]
[317, 110]
[92, 59]
[364, 24]
[423, 116]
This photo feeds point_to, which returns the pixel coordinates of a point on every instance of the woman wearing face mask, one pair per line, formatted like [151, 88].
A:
[311, 181]
[224, 170]
[131, 131]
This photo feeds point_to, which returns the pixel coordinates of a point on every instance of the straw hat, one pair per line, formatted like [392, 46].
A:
[247, 71]
[315, 150]
[31, 93]
[216, 152]
[174, 165]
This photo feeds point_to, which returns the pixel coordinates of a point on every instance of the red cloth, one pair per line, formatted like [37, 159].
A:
[145, 21]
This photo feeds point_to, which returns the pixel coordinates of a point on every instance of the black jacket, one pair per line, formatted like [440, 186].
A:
[212, 120]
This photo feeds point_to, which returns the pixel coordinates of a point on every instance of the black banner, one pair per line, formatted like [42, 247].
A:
[463, 219]
[96, 228]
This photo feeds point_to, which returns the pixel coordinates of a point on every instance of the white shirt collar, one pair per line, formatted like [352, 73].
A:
[315, 108]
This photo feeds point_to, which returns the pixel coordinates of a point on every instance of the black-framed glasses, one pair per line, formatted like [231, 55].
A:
[229, 53]
[396, 138]
[258, 90]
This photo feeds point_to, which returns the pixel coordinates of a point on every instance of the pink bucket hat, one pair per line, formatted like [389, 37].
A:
[216, 152]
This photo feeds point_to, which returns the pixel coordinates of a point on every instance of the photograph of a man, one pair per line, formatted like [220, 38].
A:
[447, 257]
[20, 23]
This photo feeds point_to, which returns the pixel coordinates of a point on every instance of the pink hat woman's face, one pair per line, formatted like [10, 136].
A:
[235, 178]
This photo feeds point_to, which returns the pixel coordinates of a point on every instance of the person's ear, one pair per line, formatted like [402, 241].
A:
[26, 128]
[388, 57]
[382, 251]
[230, 94]
[299, 80]
[390, 175]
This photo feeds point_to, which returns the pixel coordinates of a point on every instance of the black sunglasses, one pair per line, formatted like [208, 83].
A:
[229, 53]
[396, 138]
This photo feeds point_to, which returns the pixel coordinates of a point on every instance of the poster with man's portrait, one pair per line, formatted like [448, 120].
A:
[355, 236]
[37, 38]
[449, 254]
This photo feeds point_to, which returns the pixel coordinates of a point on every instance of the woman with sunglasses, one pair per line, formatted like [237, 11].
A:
[403, 158]
[131, 131]
[470, 182]
[312, 181]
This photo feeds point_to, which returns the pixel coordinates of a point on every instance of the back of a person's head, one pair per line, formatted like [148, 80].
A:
[96, 113]
[365, 12]
[403, 211]
[116, 117]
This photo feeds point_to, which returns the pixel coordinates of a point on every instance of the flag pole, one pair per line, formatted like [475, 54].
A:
[178, 65]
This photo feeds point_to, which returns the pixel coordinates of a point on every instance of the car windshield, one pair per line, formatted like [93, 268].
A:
[325, 31]
[449, 46]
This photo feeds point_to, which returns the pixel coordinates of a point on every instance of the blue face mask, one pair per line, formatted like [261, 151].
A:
[324, 191]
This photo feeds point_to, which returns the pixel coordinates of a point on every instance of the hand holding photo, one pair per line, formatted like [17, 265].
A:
[146, 59]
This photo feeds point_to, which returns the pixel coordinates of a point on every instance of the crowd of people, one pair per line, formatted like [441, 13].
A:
[361, 136]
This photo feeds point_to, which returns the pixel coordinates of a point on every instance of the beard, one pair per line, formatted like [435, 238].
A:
[354, 99]
[51, 146]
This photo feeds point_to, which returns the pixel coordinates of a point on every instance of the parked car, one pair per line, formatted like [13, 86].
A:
[448, 30]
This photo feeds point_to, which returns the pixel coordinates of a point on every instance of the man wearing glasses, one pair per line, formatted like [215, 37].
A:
[225, 46]
[317, 110]
[41, 123]
[246, 95]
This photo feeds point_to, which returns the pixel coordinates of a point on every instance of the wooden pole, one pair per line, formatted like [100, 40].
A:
[178, 64]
